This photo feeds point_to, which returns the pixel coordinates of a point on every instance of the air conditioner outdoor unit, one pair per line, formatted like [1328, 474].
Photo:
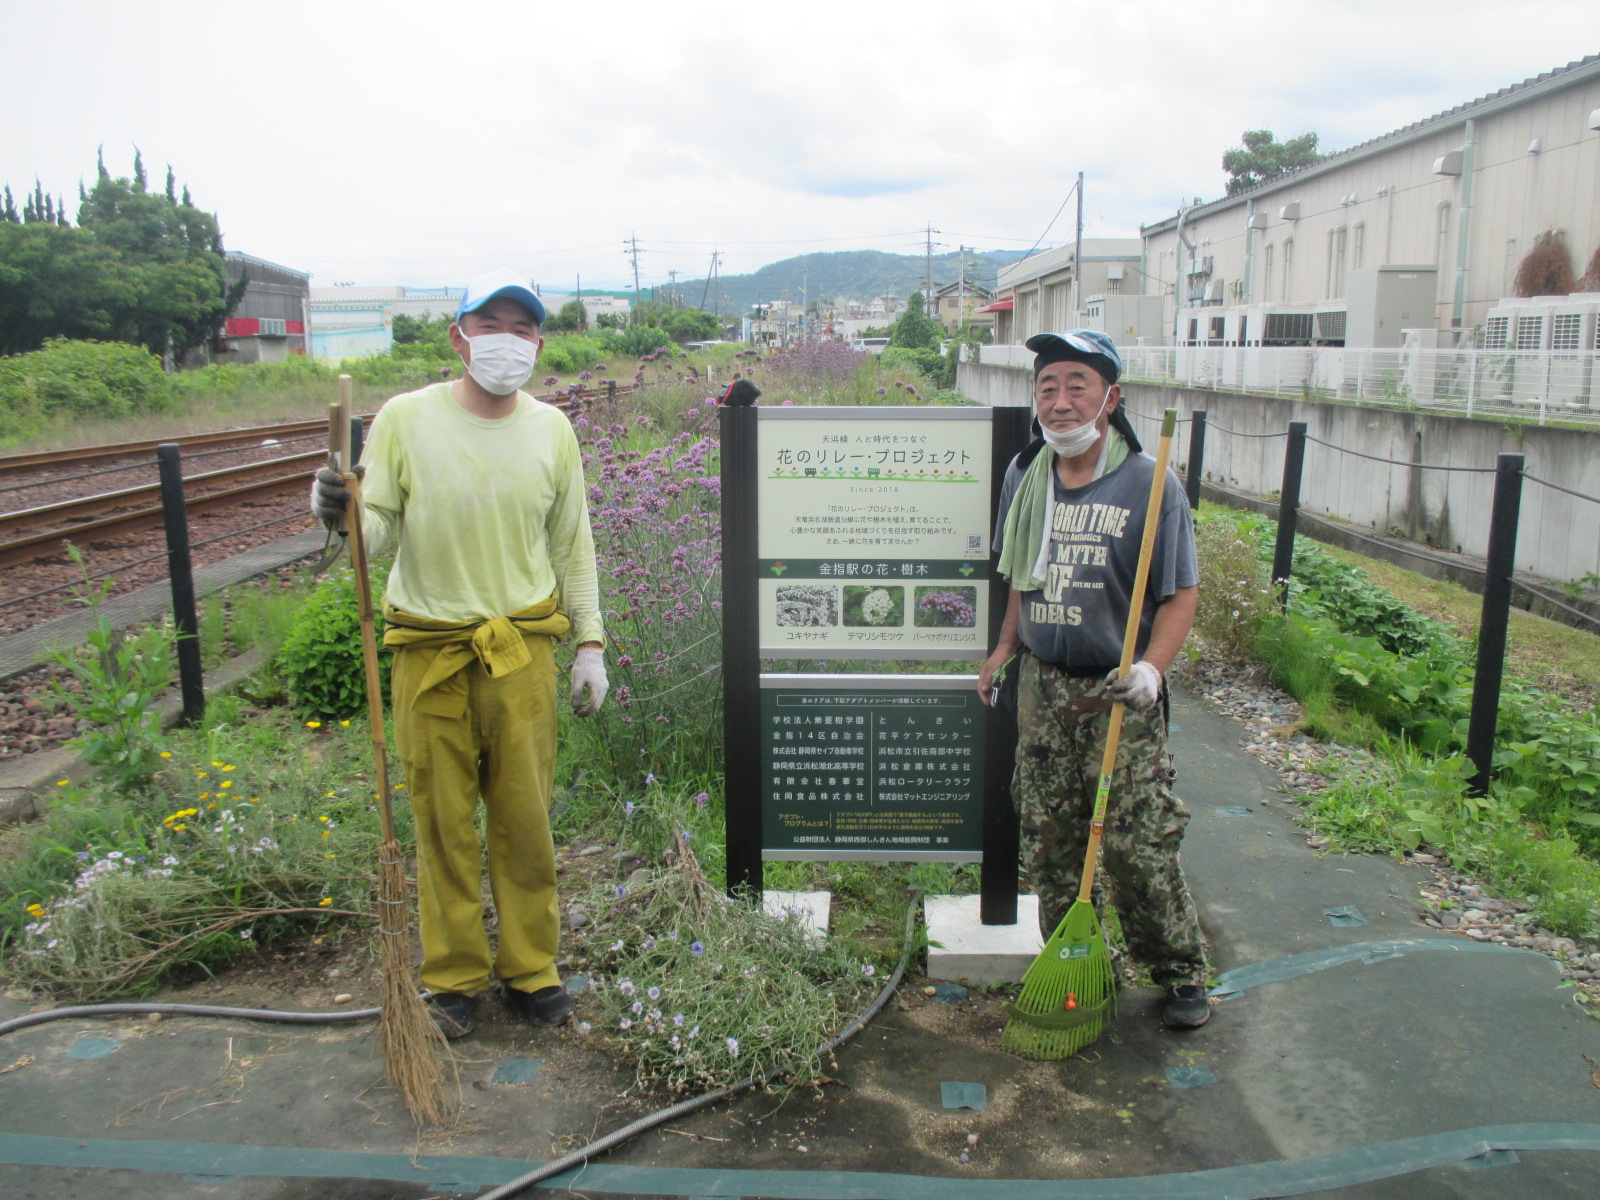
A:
[273, 327]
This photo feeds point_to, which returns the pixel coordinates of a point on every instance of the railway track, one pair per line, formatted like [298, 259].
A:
[37, 532]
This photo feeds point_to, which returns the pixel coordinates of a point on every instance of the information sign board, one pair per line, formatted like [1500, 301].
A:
[872, 767]
[873, 532]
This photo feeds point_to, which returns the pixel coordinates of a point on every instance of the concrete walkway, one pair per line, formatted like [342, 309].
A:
[22, 652]
[1372, 1061]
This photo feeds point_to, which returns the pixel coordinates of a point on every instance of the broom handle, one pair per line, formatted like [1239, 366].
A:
[369, 623]
[339, 436]
[1130, 641]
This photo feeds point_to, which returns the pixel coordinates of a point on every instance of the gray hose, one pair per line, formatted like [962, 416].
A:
[577, 1157]
[134, 1008]
[616, 1137]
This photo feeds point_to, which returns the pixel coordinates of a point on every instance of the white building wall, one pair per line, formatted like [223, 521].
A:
[1403, 213]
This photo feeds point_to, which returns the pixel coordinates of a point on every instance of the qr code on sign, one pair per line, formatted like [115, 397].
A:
[974, 541]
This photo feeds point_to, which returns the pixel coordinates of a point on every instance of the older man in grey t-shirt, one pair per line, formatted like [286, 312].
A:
[1072, 513]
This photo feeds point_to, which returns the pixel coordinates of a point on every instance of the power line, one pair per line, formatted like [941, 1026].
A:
[1053, 219]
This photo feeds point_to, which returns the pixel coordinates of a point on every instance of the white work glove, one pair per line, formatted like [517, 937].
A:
[588, 675]
[1138, 689]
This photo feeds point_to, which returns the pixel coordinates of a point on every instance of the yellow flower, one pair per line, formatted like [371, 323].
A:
[205, 795]
[166, 754]
[398, 786]
[345, 723]
[328, 856]
[255, 799]
[324, 902]
[62, 782]
[325, 833]
[213, 804]
[229, 767]
[327, 793]
[215, 763]
[227, 783]
[36, 910]
[313, 724]
[180, 828]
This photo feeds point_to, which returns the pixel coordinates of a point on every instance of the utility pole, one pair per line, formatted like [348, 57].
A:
[633, 250]
[961, 287]
[805, 300]
[927, 291]
[1077, 257]
[672, 290]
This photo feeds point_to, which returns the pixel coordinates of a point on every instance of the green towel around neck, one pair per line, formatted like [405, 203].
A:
[1025, 540]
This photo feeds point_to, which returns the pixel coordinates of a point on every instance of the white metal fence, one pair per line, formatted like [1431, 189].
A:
[1534, 384]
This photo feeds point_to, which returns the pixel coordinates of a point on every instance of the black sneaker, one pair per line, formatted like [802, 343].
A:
[1186, 1007]
[453, 1013]
[549, 1006]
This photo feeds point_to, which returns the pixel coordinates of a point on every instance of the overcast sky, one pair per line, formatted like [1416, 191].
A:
[423, 143]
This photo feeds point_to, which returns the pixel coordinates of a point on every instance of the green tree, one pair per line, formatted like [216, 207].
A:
[58, 281]
[1263, 159]
[692, 325]
[914, 329]
[171, 255]
[573, 317]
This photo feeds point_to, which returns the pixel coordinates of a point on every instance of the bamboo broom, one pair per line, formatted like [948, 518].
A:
[1069, 992]
[415, 1056]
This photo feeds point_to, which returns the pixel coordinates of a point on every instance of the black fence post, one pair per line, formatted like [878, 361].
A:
[611, 390]
[1294, 460]
[998, 875]
[741, 647]
[1496, 614]
[1195, 471]
[191, 681]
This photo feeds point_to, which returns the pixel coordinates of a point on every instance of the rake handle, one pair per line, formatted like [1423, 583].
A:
[1130, 641]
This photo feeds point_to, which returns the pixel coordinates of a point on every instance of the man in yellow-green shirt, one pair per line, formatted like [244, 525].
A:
[480, 489]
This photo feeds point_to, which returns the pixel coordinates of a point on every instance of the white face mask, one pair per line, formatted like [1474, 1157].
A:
[501, 362]
[1075, 441]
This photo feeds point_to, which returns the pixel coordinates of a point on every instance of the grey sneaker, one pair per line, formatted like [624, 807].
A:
[1185, 1007]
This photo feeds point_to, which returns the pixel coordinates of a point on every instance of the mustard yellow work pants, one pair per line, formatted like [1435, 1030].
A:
[500, 747]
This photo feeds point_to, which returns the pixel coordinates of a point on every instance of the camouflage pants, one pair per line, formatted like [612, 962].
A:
[1061, 733]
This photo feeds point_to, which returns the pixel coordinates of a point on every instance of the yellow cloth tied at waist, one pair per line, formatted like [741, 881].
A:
[496, 643]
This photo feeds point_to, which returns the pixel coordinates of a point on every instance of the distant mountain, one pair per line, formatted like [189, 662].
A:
[841, 275]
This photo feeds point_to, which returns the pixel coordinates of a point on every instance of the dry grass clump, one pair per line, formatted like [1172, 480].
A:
[1546, 270]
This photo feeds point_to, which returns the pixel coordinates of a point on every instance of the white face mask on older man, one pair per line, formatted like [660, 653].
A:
[1074, 441]
[501, 362]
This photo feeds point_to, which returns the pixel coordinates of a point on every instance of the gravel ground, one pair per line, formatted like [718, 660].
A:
[1449, 901]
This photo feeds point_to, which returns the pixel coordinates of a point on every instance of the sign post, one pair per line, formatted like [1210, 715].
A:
[863, 533]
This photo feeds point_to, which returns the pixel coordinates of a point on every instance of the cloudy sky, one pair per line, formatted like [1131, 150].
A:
[423, 143]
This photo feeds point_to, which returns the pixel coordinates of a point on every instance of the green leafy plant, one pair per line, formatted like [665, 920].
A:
[119, 676]
[321, 657]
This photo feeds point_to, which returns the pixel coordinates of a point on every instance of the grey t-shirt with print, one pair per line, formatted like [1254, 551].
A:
[1078, 620]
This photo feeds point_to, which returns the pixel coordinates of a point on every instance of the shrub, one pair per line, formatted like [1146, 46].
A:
[928, 362]
[321, 657]
[567, 353]
[79, 379]
[1546, 269]
[1235, 597]
[635, 341]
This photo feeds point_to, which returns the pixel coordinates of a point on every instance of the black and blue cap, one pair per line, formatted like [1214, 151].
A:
[1088, 346]
[502, 282]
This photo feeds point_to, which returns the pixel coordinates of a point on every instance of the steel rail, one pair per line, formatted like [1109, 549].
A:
[12, 463]
[73, 510]
[28, 547]
[40, 545]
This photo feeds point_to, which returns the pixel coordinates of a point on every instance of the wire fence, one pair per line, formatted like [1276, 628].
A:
[1535, 385]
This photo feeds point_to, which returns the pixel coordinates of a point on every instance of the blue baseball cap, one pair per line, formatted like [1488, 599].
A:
[1077, 345]
[502, 282]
